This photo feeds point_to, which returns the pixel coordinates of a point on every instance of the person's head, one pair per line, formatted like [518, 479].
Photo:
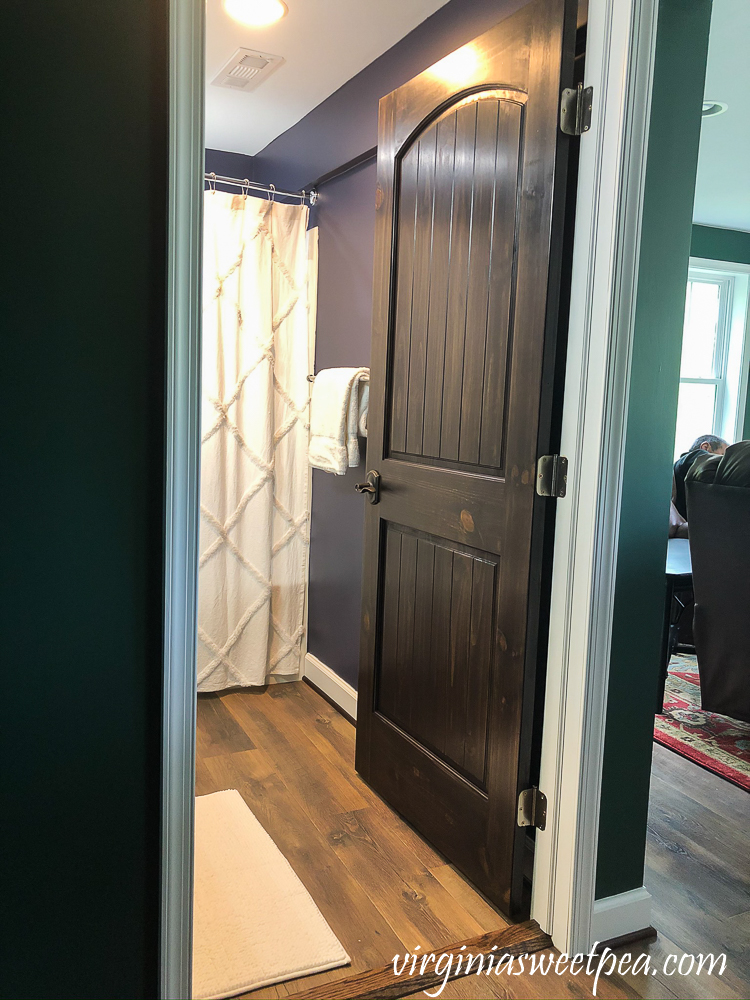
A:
[711, 443]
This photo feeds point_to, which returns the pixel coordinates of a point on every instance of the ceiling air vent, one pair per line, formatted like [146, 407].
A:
[246, 69]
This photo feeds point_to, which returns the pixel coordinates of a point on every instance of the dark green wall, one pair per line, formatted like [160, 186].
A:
[713, 243]
[682, 43]
[83, 106]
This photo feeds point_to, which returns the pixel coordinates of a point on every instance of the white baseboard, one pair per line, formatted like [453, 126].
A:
[615, 916]
[340, 693]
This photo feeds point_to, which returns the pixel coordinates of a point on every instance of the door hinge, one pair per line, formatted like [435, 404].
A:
[575, 109]
[532, 808]
[552, 476]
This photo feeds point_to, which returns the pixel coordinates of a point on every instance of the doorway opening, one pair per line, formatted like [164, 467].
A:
[403, 832]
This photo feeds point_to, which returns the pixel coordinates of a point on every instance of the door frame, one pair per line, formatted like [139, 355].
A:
[181, 491]
[619, 64]
[620, 46]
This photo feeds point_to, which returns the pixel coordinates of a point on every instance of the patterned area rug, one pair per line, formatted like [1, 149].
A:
[716, 742]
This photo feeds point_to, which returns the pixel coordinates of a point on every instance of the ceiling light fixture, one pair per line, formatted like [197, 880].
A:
[256, 13]
[713, 108]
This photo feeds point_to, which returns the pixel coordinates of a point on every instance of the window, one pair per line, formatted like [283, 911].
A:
[713, 369]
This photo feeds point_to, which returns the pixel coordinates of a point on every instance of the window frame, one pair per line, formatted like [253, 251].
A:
[733, 331]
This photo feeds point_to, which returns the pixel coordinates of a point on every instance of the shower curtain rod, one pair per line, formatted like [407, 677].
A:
[213, 178]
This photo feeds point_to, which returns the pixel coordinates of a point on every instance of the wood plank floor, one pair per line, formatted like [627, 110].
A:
[384, 890]
[698, 874]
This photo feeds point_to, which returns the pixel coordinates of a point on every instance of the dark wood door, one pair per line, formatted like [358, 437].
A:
[469, 233]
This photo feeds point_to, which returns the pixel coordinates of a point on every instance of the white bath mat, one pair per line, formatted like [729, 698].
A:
[254, 923]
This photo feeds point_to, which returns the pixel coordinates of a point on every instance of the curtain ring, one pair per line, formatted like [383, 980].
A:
[245, 188]
[212, 183]
[272, 191]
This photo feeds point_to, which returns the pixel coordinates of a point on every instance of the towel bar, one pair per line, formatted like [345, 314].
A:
[311, 378]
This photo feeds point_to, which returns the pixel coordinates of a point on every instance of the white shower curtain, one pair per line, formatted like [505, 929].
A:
[259, 298]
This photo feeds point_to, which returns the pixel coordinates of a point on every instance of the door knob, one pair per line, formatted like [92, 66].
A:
[371, 487]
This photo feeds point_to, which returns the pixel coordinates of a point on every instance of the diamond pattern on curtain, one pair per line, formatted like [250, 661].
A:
[259, 284]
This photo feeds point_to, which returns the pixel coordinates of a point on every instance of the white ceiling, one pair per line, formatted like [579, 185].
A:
[722, 191]
[324, 43]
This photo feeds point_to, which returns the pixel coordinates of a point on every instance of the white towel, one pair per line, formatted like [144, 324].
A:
[338, 409]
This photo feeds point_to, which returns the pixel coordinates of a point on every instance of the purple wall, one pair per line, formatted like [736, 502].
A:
[346, 123]
[346, 222]
[342, 127]
[219, 161]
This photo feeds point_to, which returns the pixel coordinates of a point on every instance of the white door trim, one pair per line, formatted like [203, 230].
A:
[616, 916]
[619, 65]
[185, 177]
